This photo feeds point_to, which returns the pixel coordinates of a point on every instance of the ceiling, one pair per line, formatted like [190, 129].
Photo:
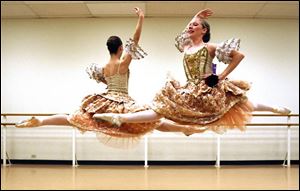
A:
[86, 9]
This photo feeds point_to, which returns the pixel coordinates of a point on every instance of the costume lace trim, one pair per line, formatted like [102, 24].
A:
[182, 40]
[134, 50]
[224, 49]
[95, 72]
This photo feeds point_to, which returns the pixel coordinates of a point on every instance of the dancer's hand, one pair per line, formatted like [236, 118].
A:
[204, 14]
[139, 12]
[212, 80]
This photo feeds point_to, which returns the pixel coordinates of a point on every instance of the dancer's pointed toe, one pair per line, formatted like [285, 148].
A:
[192, 130]
[282, 110]
[32, 122]
[109, 117]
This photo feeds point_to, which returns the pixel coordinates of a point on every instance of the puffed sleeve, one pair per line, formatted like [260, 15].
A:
[95, 72]
[224, 49]
[134, 50]
[182, 40]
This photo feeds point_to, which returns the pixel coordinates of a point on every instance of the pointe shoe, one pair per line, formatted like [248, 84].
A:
[188, 133]
[191, 130]
[32, 122]
[281, 110]
[109, 117]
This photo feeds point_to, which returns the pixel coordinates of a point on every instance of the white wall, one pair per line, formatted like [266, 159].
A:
[43, 71]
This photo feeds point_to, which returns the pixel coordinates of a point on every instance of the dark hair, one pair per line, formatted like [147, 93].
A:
[206, 37]
[113, 43]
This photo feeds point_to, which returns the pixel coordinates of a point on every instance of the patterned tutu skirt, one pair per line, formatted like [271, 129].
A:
[222, 107]
[110, 102]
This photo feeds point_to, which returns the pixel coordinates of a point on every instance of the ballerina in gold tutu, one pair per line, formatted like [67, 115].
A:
[116, 100]
[211, 102]
[115, 74]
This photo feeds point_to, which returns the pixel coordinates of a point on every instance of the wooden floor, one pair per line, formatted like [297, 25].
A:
[265, 177]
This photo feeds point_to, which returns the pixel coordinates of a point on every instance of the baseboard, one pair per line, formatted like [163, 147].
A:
[85, 162]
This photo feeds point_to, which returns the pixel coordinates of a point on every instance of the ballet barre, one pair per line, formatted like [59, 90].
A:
[4, 134]
[288, 124]
[286, 162]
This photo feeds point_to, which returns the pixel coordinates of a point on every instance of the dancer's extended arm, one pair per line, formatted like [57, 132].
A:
[136, 37]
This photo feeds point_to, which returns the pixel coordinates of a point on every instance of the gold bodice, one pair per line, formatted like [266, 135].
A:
[198, 64]
[118, 82]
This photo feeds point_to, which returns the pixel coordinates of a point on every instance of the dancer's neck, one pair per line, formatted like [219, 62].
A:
[197, 42]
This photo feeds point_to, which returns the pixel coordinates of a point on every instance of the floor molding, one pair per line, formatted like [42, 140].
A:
[102, 162]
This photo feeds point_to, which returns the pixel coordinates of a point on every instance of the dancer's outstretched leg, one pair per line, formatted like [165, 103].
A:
[171, 126]
[119, 118]
[262, 107]
[60, 119]
[149, 116]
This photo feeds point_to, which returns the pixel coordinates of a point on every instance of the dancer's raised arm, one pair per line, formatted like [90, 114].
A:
[139, 25]
[203, 14]
[133, 51]
[183, 41]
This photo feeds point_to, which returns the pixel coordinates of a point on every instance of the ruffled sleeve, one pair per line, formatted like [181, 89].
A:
[95, 72]
[134, 50]
[224, 49]
[182, 40]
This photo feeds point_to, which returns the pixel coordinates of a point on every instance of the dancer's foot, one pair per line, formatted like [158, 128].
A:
[32, 122]
[281, 110]
[109, 117]
[192, 129]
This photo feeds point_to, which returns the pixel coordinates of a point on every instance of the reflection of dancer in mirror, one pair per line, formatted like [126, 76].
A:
[212, 102]
[115, 74]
